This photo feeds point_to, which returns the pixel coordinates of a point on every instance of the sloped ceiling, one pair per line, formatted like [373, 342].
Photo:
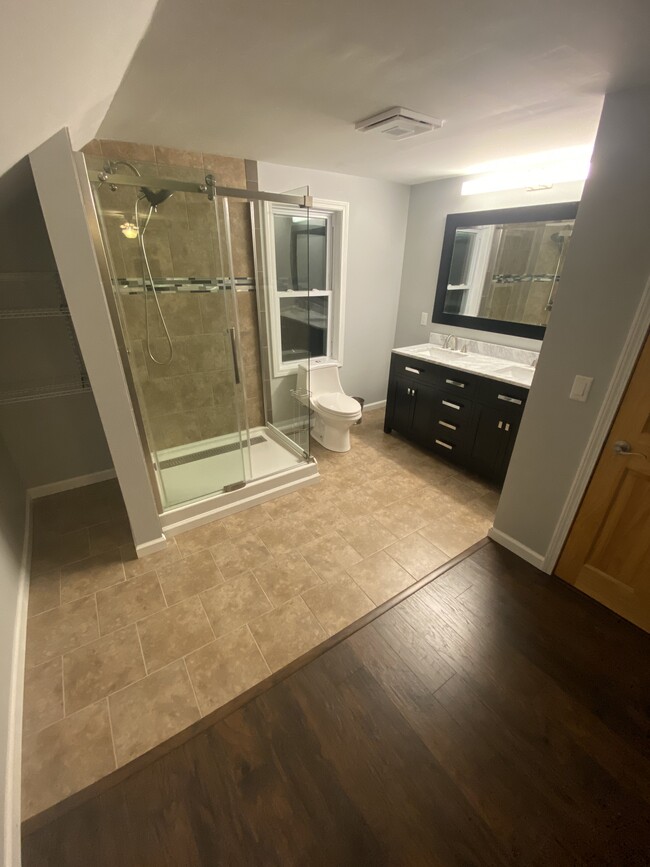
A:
[60, 64]
[284, 82]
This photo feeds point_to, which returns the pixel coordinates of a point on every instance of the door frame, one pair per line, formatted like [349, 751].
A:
[604, 420]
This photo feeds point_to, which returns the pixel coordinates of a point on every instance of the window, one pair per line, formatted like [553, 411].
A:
[305, 281]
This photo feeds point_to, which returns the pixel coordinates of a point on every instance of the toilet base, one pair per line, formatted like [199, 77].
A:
[333, 436]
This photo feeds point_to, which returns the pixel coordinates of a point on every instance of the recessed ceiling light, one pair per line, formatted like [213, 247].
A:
[398, 123]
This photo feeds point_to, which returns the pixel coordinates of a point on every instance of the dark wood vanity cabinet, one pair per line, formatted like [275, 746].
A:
[468, 419]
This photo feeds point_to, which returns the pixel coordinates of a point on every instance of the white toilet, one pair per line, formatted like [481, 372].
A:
[334, 411]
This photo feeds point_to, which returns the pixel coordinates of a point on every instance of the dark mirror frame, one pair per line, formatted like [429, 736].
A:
[528, 214]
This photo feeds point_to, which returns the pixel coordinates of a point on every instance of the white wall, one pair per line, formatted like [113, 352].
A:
[12, 515]
[603, 282]
[428, 209]
[378, 214]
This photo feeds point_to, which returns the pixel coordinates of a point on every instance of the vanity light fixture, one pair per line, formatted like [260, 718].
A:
[532, 172]
[129, 230]
[398, 123]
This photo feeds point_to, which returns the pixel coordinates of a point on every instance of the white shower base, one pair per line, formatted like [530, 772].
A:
[203, 477]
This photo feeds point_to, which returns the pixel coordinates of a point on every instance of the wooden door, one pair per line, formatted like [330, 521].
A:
[607, 553]
[402, 417]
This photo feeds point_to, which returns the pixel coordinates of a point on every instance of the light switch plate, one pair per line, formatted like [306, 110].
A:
[580, 388]
[424, 318]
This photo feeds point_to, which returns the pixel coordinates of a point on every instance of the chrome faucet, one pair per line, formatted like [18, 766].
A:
[448, 341]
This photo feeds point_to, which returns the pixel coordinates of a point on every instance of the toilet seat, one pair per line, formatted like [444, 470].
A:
[338, 404]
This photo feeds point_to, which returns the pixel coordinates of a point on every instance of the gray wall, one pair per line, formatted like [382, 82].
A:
[604, 278]
[58, 438]
[430, 203]
[378, 213]
[12, 514]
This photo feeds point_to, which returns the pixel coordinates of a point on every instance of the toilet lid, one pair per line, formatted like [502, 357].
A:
[339, 403]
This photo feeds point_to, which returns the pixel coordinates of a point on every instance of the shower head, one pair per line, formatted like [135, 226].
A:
[155, 197]
[561, 237]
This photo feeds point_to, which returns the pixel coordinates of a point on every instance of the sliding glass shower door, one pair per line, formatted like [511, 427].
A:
[174, 291]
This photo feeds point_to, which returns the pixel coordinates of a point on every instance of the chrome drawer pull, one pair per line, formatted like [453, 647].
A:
[444, 445]
[455, 382]
[510, 399]
[446, 424]
[412, 370]
[450, 405]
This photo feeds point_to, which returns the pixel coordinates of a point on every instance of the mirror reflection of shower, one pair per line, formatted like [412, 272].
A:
[154, 198]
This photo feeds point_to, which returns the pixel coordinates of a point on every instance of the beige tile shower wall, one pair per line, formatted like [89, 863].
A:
[191, 398]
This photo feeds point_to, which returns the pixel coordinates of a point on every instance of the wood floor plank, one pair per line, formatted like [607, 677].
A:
[492, 718]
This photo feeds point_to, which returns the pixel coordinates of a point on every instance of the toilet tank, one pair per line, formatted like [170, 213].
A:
[319, 376]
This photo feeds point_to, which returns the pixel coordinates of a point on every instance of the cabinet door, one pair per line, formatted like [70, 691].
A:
[403, 405]
[423, 399]
[495, 435]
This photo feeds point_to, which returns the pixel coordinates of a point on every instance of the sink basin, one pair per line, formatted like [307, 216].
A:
[439, 352]
[516, 372]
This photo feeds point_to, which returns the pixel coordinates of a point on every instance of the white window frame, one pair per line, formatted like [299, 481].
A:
[337, 216]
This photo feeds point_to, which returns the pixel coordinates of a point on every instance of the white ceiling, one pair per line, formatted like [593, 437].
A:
[60, 65]
[284, 82]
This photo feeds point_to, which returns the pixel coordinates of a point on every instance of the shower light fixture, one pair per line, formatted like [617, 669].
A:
[129, 230]
[532, 172]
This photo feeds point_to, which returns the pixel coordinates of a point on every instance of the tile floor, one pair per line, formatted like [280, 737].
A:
[123, 653]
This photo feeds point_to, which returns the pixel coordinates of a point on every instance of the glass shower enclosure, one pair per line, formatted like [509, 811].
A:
[191, 329]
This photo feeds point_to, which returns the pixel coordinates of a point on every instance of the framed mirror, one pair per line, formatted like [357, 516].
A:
[500, 270]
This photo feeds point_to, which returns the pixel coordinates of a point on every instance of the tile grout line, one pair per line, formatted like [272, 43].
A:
[189, 677]
[261, 652]
[110, 727]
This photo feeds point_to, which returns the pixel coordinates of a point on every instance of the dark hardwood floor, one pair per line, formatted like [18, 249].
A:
[496, 716]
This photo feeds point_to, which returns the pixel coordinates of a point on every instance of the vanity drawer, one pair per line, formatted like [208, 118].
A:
[502, 394]
[450, 408]
[457, 382]
[414, 368]
[450, 447]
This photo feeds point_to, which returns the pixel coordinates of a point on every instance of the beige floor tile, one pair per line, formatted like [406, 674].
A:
[44, 592]
[65, 757]
[174, 632]
[90, 575]
[240, 554]
[286, 633]
[417, 555]
[51, 550]
[189, 576]
[336, 604]
[401, 518]
[285, 577]
[152, 710]
[134, 566]
[380, 577]
[129, 601]
[483, 508]
[224, 669]
[245, 521]
[455, 532]
[382, 491]
[201, 538]
[283, 535]
[234, 603]
[323, 519]
[43, 696]
[366, 535]
[95, 670]
[329, 555]
[284, 505]
[355, 502]
[62, 629]
[110, 534]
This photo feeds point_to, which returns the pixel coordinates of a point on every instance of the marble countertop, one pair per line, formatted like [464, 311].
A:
[502, 369]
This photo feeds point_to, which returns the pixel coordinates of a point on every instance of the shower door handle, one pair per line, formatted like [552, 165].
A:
[235, 362]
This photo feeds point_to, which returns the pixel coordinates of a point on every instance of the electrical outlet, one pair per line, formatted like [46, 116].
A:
[424, 318]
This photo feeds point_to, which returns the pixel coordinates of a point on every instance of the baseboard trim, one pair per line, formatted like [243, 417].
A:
[69, 484]
[151, 547]
[12, 816]
[527, 554]
[378, 404]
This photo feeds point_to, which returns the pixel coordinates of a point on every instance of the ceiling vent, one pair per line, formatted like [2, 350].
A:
[399, 123]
